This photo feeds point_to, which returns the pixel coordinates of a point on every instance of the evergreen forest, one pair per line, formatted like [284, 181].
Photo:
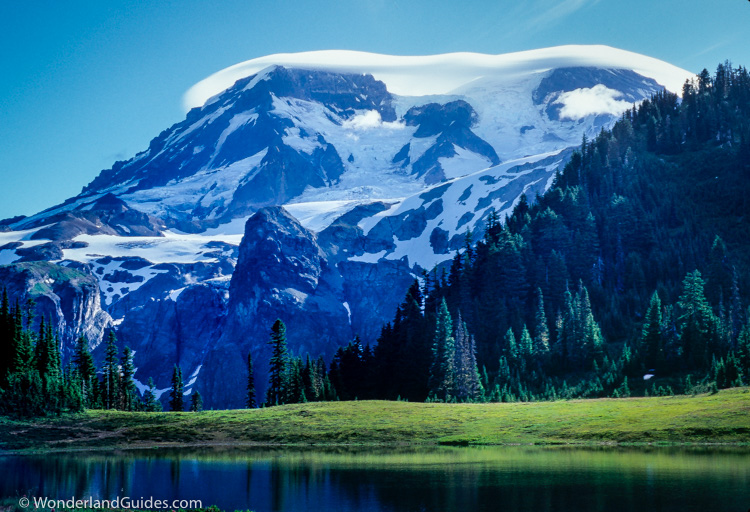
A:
[630, 276]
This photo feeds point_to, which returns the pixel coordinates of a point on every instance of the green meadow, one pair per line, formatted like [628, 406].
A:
[723, 417]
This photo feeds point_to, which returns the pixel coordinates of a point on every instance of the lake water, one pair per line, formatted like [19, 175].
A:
[498, 479]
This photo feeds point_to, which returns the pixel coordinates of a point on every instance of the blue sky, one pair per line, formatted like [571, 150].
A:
[86, 83]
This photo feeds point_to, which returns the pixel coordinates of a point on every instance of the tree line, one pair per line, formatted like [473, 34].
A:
[629, 276]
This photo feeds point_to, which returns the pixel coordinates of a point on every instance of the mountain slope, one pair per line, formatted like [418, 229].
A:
[382, 185]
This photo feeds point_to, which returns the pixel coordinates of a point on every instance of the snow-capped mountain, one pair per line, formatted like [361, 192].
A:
[381, 164]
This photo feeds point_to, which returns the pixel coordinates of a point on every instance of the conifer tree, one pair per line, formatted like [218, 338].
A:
[176, 397]
[743, 350]
[128, 391]
[466, 384]
[84, 364]
[196, 402]
[525, 344]
[698, 324]
[6, 338]
[295, 387]
[652, 341]
[72, 394]
[541, 330]
[22, 347]
[150, 403]
[443, 353]
[111, 373]
[278, 364]
[510, 347]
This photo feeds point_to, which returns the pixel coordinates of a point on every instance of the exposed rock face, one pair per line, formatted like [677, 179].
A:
[68, 297]
[281, 268]
[244, 129]
[451, 123]
[178, 331]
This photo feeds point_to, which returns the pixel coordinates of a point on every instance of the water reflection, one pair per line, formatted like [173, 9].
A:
[429, 479]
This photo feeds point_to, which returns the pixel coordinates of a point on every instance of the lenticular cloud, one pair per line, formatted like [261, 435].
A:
[599, 99]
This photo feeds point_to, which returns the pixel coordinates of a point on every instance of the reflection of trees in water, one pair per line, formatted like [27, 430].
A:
[63, 477]
[374, 482]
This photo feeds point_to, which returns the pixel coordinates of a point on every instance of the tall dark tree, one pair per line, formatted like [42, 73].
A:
[698, 324]
[466, 383]
[443, 355]
[111, 372]
[84, 364]
[6, 338]
[196, 402]
[176, 393]
[541, 329]
[652, 339]
[150, 402]
[128, 391]
[278, 364]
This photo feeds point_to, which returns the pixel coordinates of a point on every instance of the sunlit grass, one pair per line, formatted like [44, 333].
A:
[719, 418]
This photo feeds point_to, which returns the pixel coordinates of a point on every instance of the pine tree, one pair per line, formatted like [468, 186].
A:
[176, 397]
[84, 364]
[541, 330]
[466, 384]
[525, 344]
[443, 353]
[72, 395]
[698, 324]
[150, 403]
[6, 338]
[22, 347]
[196, 402]
[652, 341]
[294, 387]
[510, 347]
[111, 373]
[128, 391]
[277, 365]
[250, 401]
[743, 350]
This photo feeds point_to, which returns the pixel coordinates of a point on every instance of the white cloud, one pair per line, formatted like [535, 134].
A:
[368, 120]
[596, 100]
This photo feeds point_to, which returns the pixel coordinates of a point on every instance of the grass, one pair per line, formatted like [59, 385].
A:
[718, 418]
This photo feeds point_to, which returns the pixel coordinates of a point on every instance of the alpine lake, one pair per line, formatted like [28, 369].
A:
[379, 479]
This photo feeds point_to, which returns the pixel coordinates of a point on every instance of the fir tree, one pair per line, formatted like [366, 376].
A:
[541, 330]
[652, 341]
[277, 365]
[176, 397]
[150, 403]
[128, 391]
[443, 354]
[698, 323]
[196, 402]
[6, 338]
[466, 385]
[111, 373]
[510, 347]
[525, 344]
[294, 388]
[84, 364]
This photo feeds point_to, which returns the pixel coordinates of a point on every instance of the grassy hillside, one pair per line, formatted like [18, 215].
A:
[723, 417]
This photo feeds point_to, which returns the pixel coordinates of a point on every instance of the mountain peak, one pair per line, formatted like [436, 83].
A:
[444, 73]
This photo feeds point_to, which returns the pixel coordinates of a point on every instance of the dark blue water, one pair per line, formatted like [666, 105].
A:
[450, 479]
